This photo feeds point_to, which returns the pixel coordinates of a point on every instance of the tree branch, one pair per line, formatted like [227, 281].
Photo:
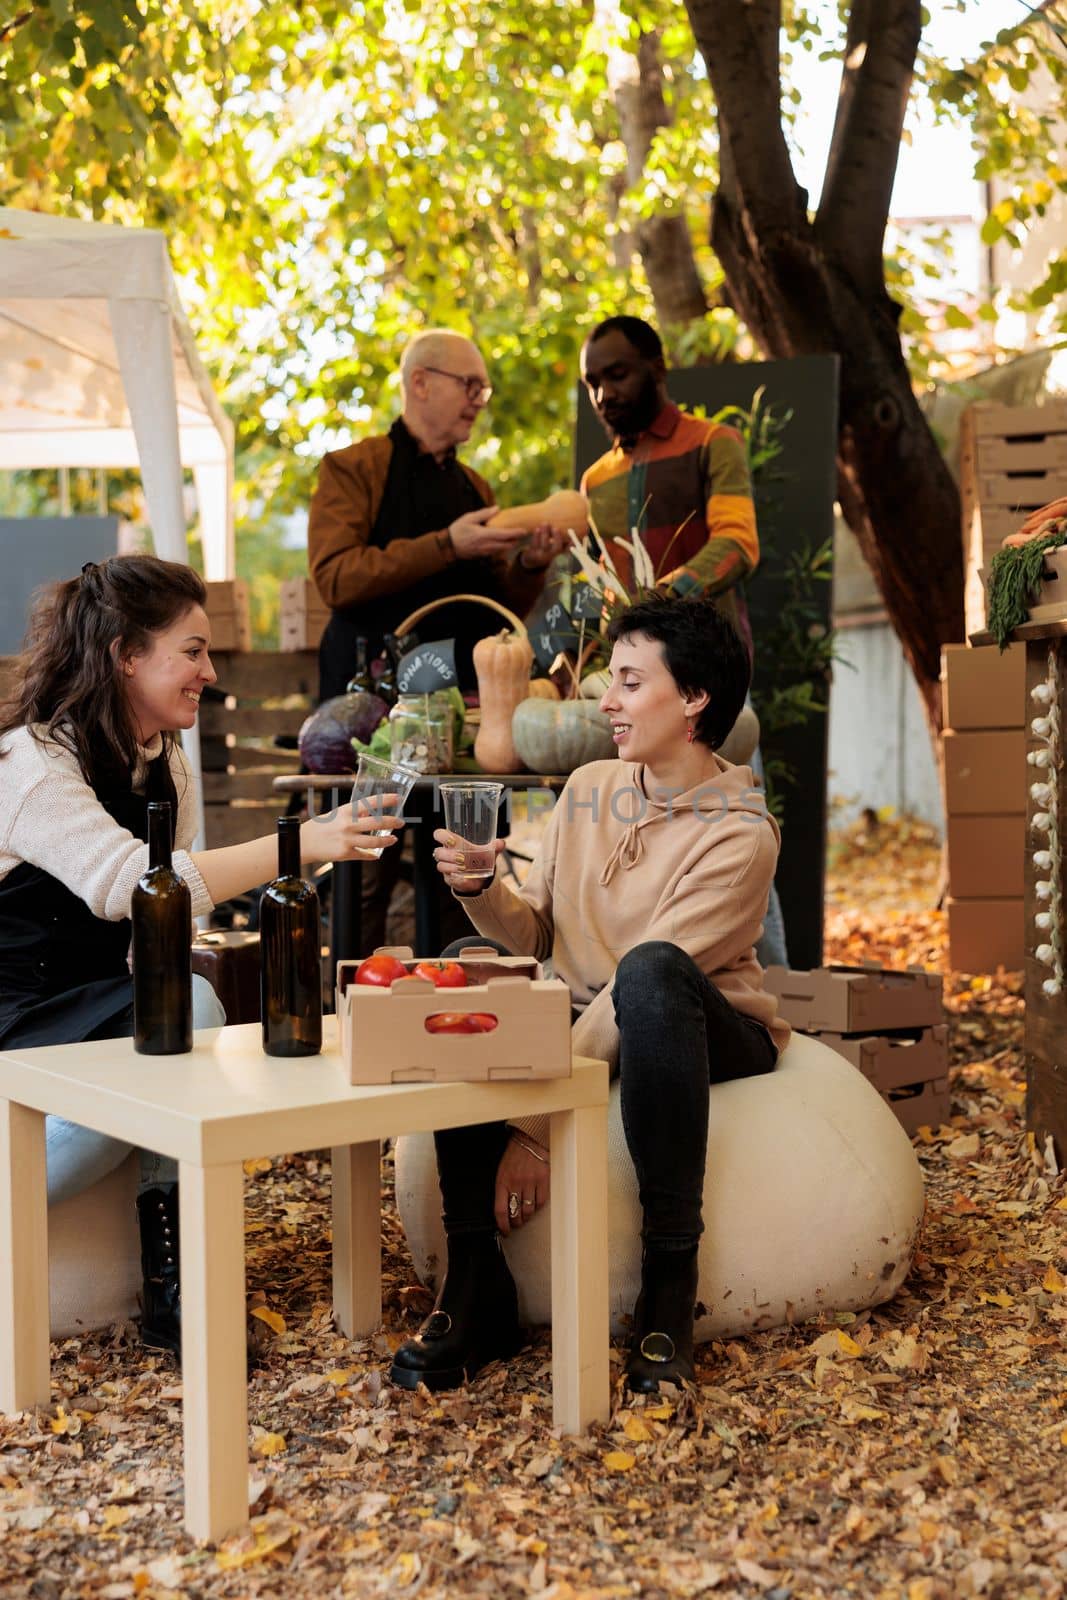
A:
[881, 44]
[16, 22]
[738, 40]
[636, 83]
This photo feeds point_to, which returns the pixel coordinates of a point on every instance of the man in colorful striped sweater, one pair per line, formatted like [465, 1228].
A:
[681, 481]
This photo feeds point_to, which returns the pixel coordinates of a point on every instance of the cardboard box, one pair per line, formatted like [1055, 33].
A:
[986, 772]
[383, 1031]
[986, 934]
[228, 612]
[895, 1062]
[921, 1105]
[986, 856]
[303, 615]
[983, 688]
[856, 999]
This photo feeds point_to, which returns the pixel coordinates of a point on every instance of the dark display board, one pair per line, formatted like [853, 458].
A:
[38, 550]
[795, 510]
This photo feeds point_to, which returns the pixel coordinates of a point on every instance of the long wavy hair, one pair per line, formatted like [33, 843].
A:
[70, 684]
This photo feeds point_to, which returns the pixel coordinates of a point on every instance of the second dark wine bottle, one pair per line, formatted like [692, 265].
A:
[290, 939]
[161, 911]
[362, 679]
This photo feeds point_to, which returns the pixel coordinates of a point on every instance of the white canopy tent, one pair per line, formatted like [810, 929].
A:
[98, 369]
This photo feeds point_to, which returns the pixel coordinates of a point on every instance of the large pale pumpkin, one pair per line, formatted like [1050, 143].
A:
[563, 512]
[557, 737]
[503, 663]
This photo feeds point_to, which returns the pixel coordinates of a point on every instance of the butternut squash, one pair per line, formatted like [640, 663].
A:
[566, 511]
[503, 663]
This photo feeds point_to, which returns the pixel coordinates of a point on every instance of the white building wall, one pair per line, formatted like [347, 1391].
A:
[880, 750]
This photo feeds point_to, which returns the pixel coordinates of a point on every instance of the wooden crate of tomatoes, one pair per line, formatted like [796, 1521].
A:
[479, 1017]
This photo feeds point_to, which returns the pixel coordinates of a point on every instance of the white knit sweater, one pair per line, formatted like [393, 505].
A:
[50, 817]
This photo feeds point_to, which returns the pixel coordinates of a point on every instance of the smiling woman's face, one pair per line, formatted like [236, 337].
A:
[646, 707]
[163, 684]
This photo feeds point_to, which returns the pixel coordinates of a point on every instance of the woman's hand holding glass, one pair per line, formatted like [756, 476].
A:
[346, 833]
[452, 855]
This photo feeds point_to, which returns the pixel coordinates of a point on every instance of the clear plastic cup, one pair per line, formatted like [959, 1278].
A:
[470, 813]
[376, 778]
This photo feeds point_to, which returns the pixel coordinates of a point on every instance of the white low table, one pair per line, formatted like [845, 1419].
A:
[224, 1104]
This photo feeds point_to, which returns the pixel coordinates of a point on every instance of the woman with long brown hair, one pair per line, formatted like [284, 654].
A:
[115, 663]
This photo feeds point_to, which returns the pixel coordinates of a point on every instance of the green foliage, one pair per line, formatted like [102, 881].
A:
[332, 178]
[1015, 578]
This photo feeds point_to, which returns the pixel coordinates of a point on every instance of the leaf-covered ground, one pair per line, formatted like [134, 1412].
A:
[918, 1452]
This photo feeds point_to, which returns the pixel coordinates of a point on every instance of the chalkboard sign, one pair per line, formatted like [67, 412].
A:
[427, 668]
[585, 601]
[551, 630]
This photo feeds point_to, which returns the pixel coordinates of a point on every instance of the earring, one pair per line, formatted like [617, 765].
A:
[688, 732]
[129, 670]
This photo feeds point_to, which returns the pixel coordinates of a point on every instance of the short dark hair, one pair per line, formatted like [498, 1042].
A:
[702, 649]
[644, 338]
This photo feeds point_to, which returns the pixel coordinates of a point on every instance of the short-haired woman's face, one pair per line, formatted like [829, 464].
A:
[164, 683]
[646, 706]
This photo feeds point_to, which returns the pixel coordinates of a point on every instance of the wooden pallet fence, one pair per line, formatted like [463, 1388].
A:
[267, 695]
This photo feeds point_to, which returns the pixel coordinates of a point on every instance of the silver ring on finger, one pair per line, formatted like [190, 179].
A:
[513, 1205]
[529, 1205]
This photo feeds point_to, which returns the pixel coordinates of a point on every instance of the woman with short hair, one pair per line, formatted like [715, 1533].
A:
[648, 895]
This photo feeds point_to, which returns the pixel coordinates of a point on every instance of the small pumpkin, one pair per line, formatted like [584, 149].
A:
[552, 737]
[595, 684]
[542, 689]
[563, 512]
[503, 663]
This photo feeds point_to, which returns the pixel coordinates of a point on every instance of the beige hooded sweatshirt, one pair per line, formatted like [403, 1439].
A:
[619, 866]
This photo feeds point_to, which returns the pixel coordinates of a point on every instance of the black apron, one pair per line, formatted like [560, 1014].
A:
[421, 495]
[64, 975]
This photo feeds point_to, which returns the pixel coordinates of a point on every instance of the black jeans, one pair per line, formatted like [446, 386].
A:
[677, 1036]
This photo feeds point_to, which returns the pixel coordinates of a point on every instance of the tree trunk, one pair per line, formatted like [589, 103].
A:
[816, 285]
[636, 82]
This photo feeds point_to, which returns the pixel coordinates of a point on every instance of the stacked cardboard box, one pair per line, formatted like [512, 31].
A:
[228, 612]
[890, 1025]
[984, 709]
[1013, 459]
[304, 616]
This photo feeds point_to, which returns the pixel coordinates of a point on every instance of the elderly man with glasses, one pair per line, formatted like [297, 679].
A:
[397, 520]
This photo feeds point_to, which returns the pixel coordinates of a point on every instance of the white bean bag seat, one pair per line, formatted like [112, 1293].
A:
[812, 1203]
[94, 1254]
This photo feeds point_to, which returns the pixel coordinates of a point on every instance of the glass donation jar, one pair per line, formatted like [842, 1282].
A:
[420, 732]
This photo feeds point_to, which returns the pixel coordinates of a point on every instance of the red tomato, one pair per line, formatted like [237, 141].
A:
[442, 974]
[380, 971]
[460, 1022]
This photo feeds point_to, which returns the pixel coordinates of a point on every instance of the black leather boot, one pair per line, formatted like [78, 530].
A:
[157, 1213]
[475, 1320]
[661, 1348]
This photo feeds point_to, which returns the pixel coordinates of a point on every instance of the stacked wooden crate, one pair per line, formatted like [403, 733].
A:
[260, 696]
[890, 1025]
[1013, 459]
[984, 710]
[304, 616]
[229, 614]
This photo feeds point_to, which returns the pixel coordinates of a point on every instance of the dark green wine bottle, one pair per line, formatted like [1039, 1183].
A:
[290, 939]
[362, 679]
[385, 684]
[161, 911]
